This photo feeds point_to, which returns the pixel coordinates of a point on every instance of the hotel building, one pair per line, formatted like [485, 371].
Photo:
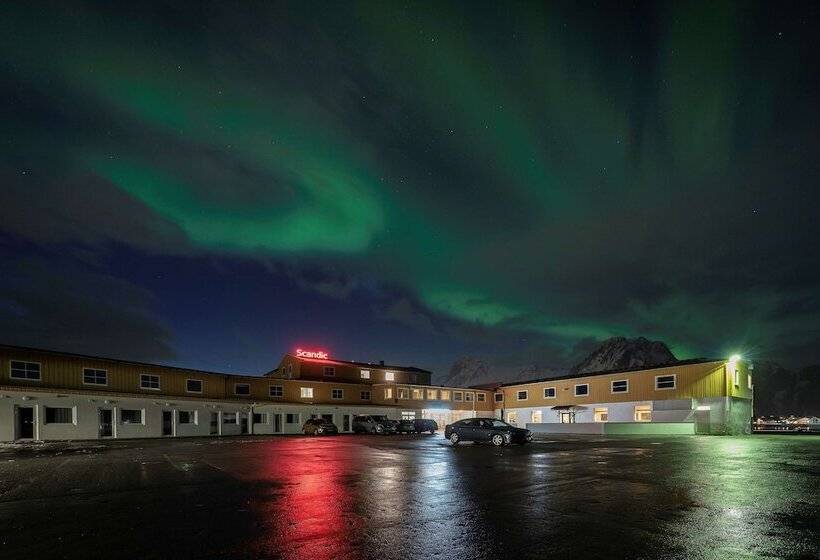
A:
[48, 395]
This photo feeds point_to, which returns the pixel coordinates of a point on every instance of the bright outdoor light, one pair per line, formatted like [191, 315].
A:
[734, 358]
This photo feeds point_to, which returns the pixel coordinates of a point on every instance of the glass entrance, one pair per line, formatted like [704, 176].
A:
[106, 423]
[214, 423]
[167, 422]
[277, 423]
[346, 423]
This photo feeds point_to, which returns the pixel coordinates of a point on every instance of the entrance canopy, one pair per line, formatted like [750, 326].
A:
[569, 407]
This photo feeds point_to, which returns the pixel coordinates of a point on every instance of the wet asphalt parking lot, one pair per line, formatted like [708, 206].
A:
[413, 497]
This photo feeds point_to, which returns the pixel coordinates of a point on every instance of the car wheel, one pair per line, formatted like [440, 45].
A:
[454, 439]
[497, 440]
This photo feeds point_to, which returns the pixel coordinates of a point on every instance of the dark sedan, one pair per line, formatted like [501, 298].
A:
[406, 427]
[319, 426]
[491, 430]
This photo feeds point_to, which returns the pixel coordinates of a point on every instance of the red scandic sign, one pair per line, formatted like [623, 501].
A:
[311, 354]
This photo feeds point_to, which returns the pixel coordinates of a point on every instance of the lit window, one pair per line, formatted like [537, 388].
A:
[736, 378]
[408, 415]
[193, 385]
[512, 418]
[620, 386]
[601, 415]
[481, 397]
[445, 394]
[522, 395]
[131, 416]
[432, 394]
[364, 395]
[468, 397]
[241, 388]
[337, 394]
[389, 376]
[418, 394]
[403, 393]
[365, 373]
[149, 382]
[458, 396]
[306, 392]
[643, 413]
[25, 370]
[95, 376]
[276, 391]
[582, 390]
[536, 416]
[388, 393]
[59, 415]
[329, 371]
[749, 381]
[549, 392]
[665, 382]
[499, 397]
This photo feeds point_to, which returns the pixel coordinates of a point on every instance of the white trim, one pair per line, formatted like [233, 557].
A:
[305, 392]
[369, 395]
[612, 383]
[496, 395]
[481, 397]
[390, 376]
[201, 386]
[159, 382]
[341, 391]
[236, 385]
[554, 393]
[461, 399]
[674, 377]
[326, 369]
[282, 391]
[39, 371]
[95, 384]
[364, 373]
[526, 395]
[575, 391]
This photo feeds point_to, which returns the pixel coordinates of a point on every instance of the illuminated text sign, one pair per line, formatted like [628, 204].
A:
[311, 354]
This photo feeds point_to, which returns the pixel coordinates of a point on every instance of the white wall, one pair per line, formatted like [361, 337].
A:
[668, 411]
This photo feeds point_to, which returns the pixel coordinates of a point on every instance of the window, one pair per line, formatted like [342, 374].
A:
[187, 417]
[643, 413]
[389, 376]
[193, 385]
[522, 395]
[337, 394]
[25, 370]
[536, 416]
[149, 382]
[131, 416]
[260, 417]
[291, 419]
[306, 392]
[59, 415]
[749, 381]
[229, 417]
[468, 397]
[365, 373]
[445, 394]
[388, 393]
[664, 382]
[95, 376]
[418, 394]
[412, 378]
[329, 371]
[364, 395]
[408, 415]
[432, 394]
[600, 415]
[736, 378]
[499, 397]
[549, 392]
[481, 397]
[620, 386]
[458, 396]
[403, 393]
[241, 388]
[512, 418]
[582, 390]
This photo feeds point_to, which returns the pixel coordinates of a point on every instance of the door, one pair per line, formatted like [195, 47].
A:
[346, 423]
[214, 423]
[243, 423]
[25, 422]
[568, 418]
[167, 422]
[277, 423]
[106, 423]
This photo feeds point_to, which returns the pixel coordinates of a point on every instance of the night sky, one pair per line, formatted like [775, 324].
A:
[212, 185]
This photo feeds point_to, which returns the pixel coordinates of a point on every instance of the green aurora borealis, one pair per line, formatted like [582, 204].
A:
[510, 173]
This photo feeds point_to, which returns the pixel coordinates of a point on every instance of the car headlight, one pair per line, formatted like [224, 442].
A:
[320, 430]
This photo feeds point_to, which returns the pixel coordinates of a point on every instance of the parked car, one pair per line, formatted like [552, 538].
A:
[492, 430]
[373, 424]
[406, 427]
[319, 427]
[425, 425]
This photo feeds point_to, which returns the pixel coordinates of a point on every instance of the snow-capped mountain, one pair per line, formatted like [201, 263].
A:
[622, 353]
